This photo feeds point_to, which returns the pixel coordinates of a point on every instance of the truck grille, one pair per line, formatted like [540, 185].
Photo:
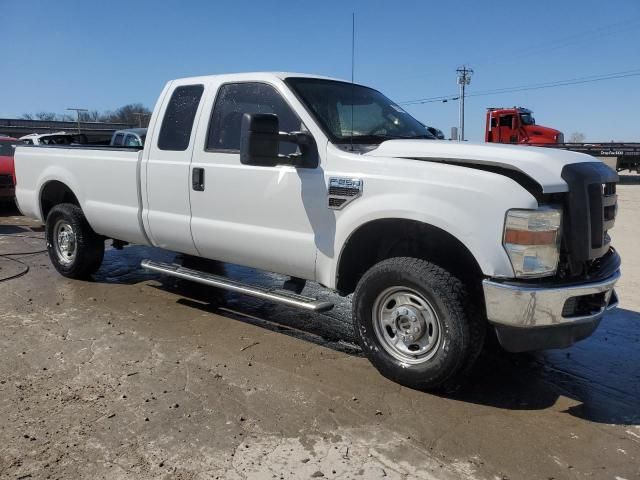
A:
[590, 211]
[609, 201]
[6, 180]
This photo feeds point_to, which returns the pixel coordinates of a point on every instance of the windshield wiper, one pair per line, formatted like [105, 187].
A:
[416, 137]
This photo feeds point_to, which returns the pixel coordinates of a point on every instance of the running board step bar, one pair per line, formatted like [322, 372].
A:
[274, 295]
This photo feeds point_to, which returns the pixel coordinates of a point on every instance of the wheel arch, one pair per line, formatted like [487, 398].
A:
[402, 237]
[55, 192]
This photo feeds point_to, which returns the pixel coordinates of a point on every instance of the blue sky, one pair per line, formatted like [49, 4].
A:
[102, 55]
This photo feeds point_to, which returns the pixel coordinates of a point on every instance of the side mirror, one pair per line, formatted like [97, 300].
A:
[260, 143]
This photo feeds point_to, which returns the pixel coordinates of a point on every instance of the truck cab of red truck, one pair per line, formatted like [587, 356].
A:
[517, 125]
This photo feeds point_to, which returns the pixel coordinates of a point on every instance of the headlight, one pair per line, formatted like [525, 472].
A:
[532, 241]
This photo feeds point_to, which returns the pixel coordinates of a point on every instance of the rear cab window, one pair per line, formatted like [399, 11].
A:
[131, 141]
[177, 123]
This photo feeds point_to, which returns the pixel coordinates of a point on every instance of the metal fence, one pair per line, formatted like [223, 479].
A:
[95, 131]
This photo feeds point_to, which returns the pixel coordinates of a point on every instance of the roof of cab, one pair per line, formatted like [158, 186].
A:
[255, 76]
[138, 131]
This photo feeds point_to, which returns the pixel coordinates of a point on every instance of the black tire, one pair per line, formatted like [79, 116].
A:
[88, 246]
[460, 328]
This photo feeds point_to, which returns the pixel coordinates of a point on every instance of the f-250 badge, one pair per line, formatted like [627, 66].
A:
[343, 191]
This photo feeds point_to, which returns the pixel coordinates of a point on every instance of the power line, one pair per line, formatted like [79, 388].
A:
[557, 83]
[522, 88]
[555, 44]
[566, 41]
[560, 83]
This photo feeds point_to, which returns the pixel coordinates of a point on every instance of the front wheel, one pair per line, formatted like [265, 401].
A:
[416, 323]
[75, 250]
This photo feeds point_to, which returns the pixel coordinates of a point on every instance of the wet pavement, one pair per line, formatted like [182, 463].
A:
[134, 375]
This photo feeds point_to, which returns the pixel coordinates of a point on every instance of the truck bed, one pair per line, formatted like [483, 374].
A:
[104, 179]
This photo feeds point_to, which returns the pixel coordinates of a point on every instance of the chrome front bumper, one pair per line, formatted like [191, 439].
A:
[531, 318]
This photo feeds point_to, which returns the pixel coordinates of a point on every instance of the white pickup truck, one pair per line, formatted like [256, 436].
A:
[332, 182]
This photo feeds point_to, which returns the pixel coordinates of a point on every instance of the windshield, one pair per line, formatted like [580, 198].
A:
[7, 147]
[349, 112]
[527, 119]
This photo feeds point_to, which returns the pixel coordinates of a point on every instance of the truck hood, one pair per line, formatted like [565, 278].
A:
[541, 164]
[541, 134]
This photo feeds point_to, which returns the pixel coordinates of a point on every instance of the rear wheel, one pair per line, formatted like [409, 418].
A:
[416, 323]
[75, 250]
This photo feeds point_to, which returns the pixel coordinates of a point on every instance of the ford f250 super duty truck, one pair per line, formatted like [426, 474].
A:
[332, 182]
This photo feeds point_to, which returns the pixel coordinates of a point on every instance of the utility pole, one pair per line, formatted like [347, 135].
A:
[78, 110]
[464, 79]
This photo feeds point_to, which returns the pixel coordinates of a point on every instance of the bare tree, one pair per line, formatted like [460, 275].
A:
[130, 114]
[576, 137]
[92, 116]
[48, 116]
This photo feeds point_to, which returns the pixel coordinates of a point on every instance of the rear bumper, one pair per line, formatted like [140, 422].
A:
[535, 318]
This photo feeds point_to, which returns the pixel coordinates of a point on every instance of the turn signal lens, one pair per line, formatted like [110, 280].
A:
[532, 241]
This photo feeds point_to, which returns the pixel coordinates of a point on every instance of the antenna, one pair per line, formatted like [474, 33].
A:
[353, 44]
[353, 59]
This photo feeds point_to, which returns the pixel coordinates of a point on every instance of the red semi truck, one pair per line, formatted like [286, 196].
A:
[516, 125]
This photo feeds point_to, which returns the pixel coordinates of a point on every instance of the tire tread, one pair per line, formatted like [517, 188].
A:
[90, 245]
[453, 294]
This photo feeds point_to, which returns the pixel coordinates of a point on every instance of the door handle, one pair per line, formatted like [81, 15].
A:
[197, 179]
